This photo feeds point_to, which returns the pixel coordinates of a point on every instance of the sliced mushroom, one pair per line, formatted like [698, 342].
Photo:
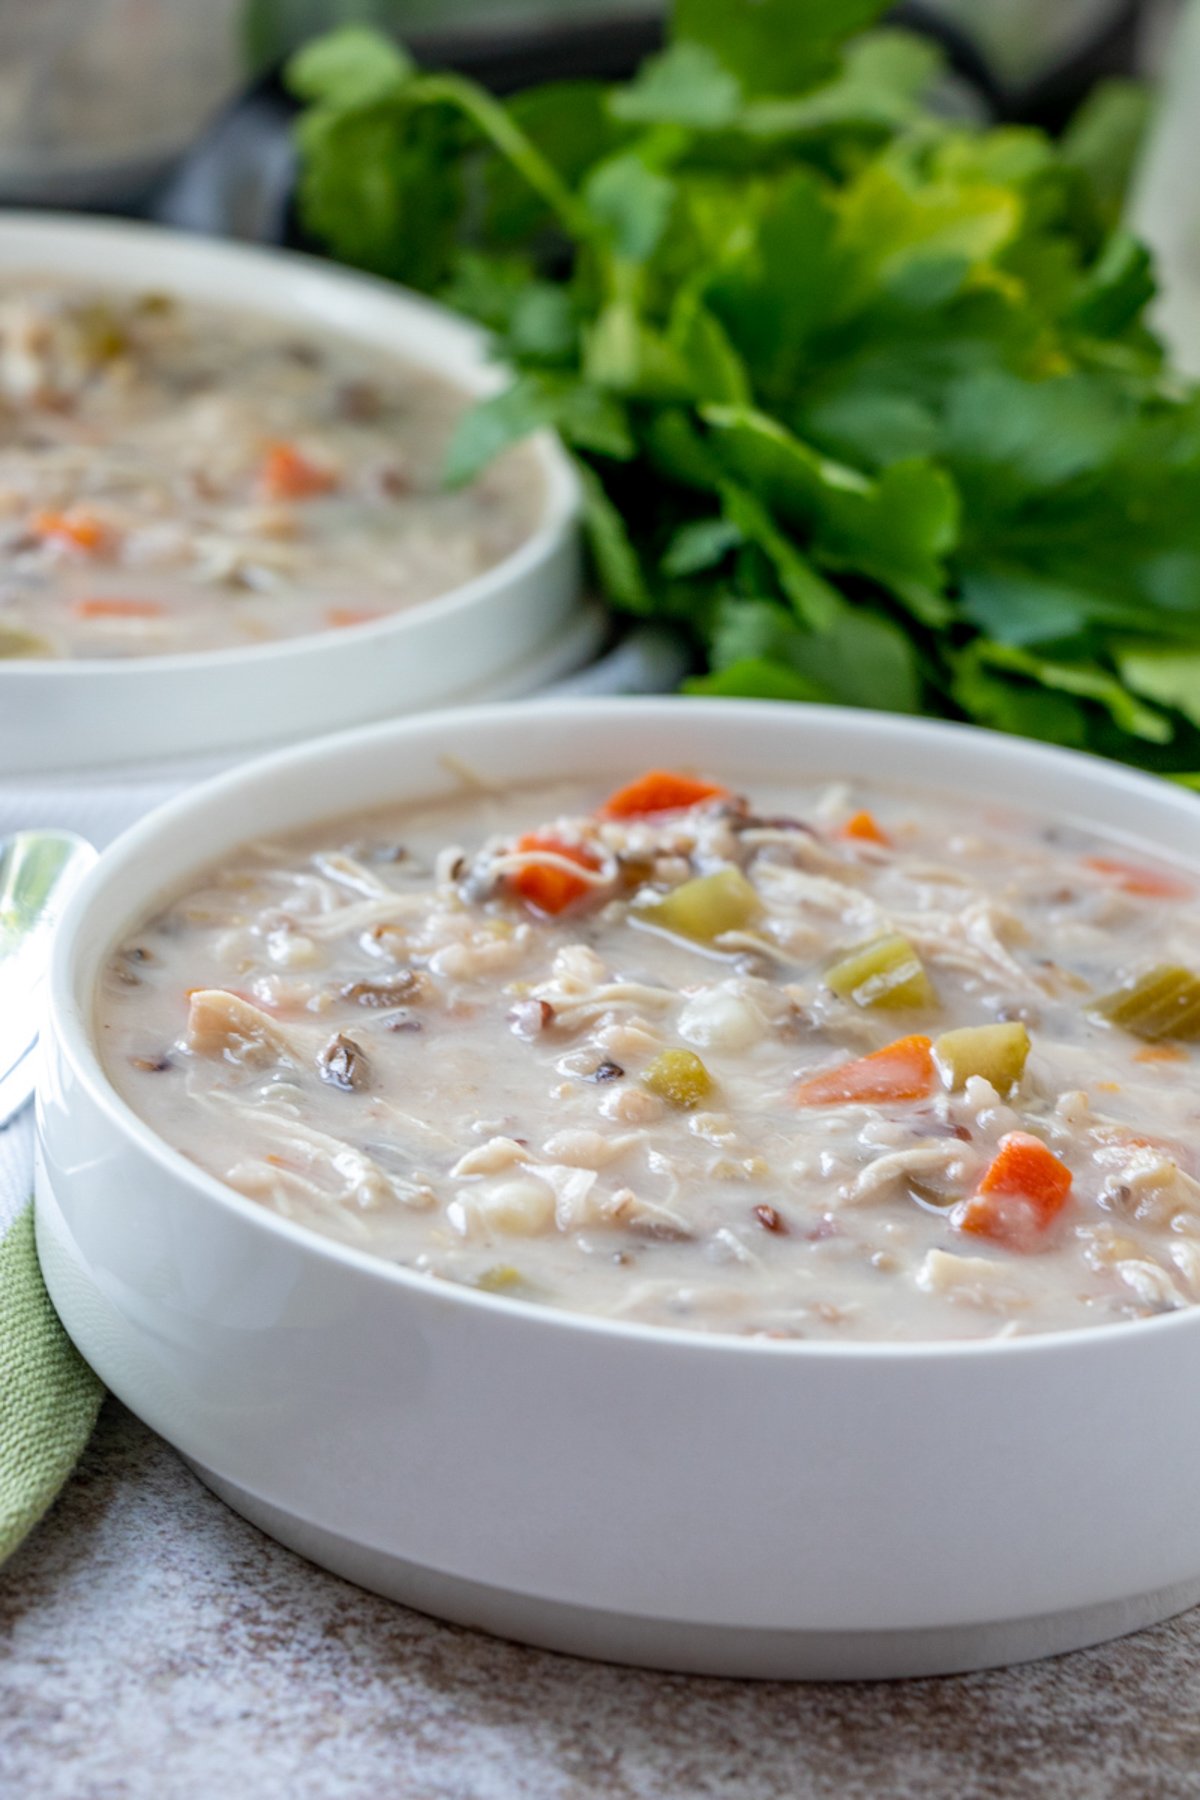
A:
[343, 1063]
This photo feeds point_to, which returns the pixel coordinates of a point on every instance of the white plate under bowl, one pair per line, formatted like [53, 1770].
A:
[87, 712]
[670, 1498]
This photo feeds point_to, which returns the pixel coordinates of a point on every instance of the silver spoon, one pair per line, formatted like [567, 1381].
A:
[39, 871]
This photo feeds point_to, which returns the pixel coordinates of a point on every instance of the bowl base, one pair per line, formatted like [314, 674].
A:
[683, 1647]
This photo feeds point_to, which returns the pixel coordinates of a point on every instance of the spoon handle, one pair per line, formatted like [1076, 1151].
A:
[16, 1085]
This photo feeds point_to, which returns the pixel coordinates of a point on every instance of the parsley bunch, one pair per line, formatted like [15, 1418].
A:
[862, 395]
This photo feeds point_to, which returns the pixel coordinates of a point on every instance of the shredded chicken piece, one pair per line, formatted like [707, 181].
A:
[970, 941]
[970, 1280]
[589, 1149]
[785, 890]
[613, 995]
[1144, 1183]
[572, 1192]
[1151, 1284]
[577, 970]
[488, 1159]
[349, 920]
[722, 1018]
[344, 1174]
[522, 1205]
[223, 1024]
[625, 1207]
[877, 1180]
[348, 873]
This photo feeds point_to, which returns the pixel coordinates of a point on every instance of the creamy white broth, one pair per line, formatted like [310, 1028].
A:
[373, 1030]
[182, 478]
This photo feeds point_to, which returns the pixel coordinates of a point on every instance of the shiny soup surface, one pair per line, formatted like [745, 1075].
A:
[183, 478]
[795, 1062]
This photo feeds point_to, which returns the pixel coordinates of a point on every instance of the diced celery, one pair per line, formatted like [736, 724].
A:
[15, 642]
[704, 907]
[679, 1078]
[501, 1278]
[996, 1052]
[1164, 1003]
[887, 974]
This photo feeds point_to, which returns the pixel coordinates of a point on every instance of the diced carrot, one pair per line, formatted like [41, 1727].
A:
[1023, 1191]
[342, 616]
[1160, 1053]
[287, 474]
[107, 607]
[864, 828]
[544, 886]
[659, 791]
[1132, 878]
[900, 1071]
[75, 530]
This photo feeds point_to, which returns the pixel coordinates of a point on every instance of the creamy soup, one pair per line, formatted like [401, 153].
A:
[802, 1063]
[178, 478]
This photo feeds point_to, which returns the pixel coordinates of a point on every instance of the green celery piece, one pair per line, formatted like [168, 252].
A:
[14, 642]
[1164, 1003]
[886, 974]
[996, 1052]
[703, 908]
[501, 1278]
[678, 1077]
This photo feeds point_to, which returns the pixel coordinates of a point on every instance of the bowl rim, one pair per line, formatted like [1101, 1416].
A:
[73, 1028]
[562, 500]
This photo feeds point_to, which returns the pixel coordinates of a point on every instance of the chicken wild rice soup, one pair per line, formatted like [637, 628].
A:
[806, 1063]
[186, 478]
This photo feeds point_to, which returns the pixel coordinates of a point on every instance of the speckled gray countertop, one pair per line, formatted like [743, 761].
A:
[157, 1646]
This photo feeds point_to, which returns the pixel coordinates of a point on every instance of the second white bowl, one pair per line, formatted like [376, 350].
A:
[68, 715]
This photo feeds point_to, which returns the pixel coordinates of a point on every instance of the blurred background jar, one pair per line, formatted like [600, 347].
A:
[99, 97]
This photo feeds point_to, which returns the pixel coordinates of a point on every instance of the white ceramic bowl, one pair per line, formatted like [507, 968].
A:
[675, 1499]
[65, 715]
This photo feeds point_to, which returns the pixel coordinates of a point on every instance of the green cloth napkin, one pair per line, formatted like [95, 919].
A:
[49, 1397]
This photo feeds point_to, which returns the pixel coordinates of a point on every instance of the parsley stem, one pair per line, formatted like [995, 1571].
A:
[494, 122]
